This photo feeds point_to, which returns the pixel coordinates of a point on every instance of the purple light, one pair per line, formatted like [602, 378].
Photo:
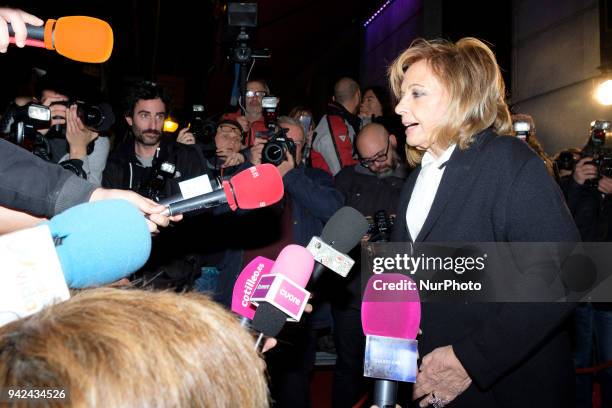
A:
[380, 10]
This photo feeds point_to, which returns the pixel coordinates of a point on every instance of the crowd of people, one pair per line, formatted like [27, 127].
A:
[441, 168]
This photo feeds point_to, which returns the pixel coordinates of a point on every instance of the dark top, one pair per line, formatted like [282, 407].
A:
[518, 355]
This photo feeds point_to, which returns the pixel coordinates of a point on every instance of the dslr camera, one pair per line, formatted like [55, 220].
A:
[599, 147]
[277, 147]
[522, 130]
[381, 226]
[98, 118]
[203, 129]
[161, 172]
[20, 124]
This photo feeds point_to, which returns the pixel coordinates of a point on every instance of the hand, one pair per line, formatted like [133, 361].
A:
[13, 220]
[441, 376]
[148, 207]
[77, 135]
[605, 185]
[58, 111]
[18, 19]
[584, 171]
[230, 158]
[256, 150]
[185, 137]
[286, 165]
[271, 342]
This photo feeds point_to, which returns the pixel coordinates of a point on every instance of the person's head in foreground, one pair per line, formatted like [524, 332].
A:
[131, 348]
[447, 93]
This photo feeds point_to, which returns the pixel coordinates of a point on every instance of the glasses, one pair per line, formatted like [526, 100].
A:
[379, 158]
[259, 94]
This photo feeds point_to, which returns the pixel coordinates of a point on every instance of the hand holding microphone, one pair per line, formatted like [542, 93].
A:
[18, 20]
[80, 38]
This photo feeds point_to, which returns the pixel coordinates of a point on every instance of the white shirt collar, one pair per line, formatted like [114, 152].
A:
[429, 158]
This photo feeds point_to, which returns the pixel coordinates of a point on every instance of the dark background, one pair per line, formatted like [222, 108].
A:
[183, 45]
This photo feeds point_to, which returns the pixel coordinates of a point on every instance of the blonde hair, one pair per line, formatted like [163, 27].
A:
[132, 348]
[469, 71]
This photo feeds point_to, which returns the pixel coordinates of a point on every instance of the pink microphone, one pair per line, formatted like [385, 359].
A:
[245, 285]
[281, 294]
[390, 318]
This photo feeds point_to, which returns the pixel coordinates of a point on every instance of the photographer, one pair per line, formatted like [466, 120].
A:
[69, 142]
[373, 187]
[151, 164]
[310, 200]
[588, 197]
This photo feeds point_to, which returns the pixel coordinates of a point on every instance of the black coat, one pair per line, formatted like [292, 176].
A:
[517, 354]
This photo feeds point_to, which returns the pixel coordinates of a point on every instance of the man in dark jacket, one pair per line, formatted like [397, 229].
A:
[149, 163]
[310, 200]
[373, 187]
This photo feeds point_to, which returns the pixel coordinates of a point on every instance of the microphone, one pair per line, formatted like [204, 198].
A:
[390, 318]
[281, 294]
[245, 285]
[100, 242]
[87, 245]
[80, 38]
[256, 187]
[342, 232]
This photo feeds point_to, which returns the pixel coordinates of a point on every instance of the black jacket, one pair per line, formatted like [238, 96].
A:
[177, 253]
[30, 184]
[518, 355]
[124, 170]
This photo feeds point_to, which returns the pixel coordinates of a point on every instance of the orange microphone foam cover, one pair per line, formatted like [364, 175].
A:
[81, 38]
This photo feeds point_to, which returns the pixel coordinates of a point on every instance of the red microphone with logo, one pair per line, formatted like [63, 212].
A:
[256, 187]
[80, 38]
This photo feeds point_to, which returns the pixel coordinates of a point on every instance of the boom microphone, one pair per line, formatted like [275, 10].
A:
[80, 38]
[256, 187]
[342, 232]
[390, 318]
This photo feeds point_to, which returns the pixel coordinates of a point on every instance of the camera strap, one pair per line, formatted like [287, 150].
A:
[342, 146]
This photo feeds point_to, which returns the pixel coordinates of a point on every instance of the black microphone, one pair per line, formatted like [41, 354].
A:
[342, 232]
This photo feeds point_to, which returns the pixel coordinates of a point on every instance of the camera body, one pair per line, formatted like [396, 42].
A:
[203, 130]
[98, 118]
[161, 171]
[599, 147]
[566, 161]
[522, 129]
[381, 226]
[277, 147]
[20, 124]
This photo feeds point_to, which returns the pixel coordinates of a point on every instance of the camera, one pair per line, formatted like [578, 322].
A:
[599, 147]
[381, 226]
[565, 161]
[98, 118]
[203, 130]
[522, 129]
[20, 124]
[161, 172]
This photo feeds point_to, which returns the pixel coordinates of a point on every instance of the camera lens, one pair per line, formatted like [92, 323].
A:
[272, 153]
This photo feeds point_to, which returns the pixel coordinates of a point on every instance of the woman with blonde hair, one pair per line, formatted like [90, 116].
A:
[133, 348]
[473, 184]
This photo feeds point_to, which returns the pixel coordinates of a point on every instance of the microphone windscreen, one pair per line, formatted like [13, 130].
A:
[101, 242]
[296, 263]
[345, 229]
[268, 320]
[390, 308]
[246, 284]
[257, 186]
[83, 38]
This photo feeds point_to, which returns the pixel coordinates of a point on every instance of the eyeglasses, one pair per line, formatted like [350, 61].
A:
[259, 94]
[379, 158]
